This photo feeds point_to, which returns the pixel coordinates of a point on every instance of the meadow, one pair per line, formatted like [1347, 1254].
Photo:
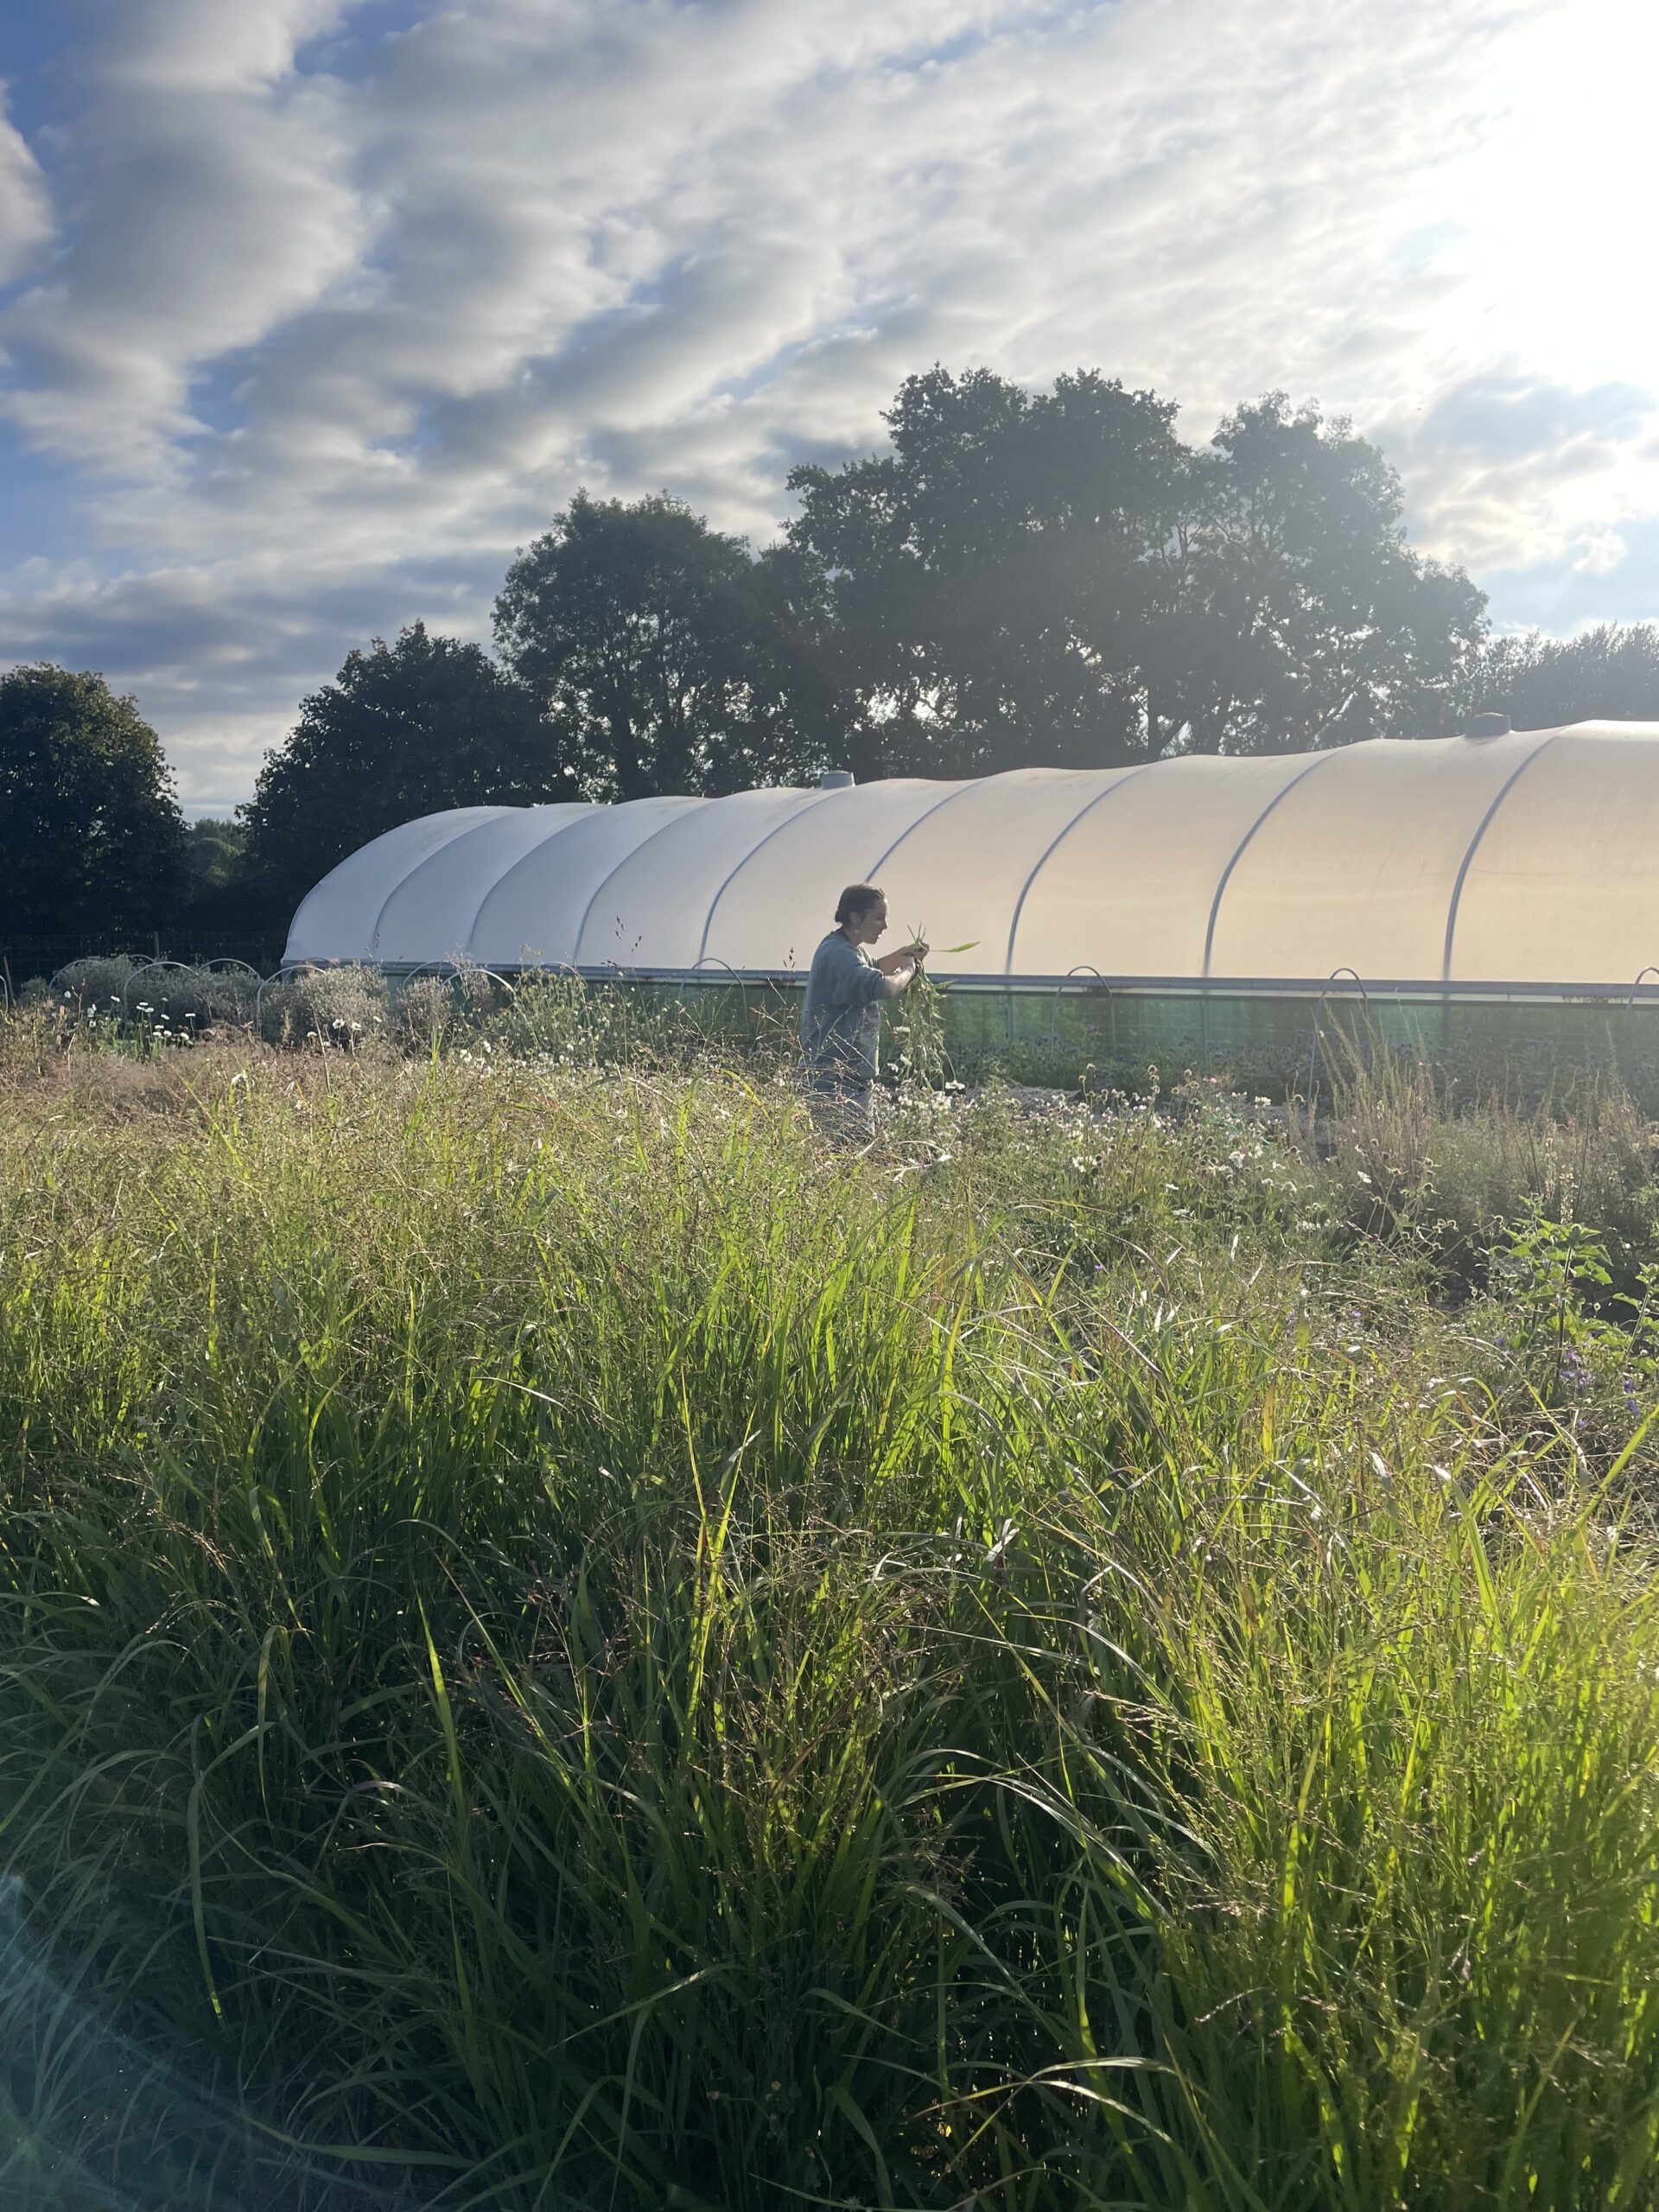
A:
[561, 1648]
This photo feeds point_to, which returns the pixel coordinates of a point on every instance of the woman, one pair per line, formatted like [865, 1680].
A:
[841, 1021]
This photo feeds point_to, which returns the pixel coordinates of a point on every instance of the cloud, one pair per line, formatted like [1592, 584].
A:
[1614, 578]
[203, 202]
[1513, 469]
[26, 222]
[344, 298]
[220, 654]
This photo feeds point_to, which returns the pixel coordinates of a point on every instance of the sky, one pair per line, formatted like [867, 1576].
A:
[312, 312]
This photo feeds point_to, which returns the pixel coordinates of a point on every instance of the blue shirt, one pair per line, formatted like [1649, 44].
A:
[841, 1021]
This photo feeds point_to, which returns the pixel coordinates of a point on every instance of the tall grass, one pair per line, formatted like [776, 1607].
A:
[559, 1647]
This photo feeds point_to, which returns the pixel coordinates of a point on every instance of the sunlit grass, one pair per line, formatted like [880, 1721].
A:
[558, 1648]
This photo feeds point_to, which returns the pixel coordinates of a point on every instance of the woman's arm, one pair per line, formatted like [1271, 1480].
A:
[902, 968]
[909, 956]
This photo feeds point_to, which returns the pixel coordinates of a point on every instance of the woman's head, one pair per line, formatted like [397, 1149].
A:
[862, 912]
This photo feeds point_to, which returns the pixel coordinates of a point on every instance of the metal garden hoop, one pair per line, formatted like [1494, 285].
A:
[1319, 1013]
[714, 960]
[451, 968]
[1051, 1034]
[278, 975]
[147, 968]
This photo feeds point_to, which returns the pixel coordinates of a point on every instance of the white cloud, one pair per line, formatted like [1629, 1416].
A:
[26, 222]
[203, 201]
[345, 303]
[1508, 468]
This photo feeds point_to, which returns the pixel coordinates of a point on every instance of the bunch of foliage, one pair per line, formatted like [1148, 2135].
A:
[1610, 671]
[91, 841]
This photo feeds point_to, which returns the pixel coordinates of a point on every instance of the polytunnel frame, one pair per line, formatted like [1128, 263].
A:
[611, 872]
[1203, 986]
[1051, 848]
[522, 861]
[811, 801]
[1243, 846]
[476, 829]
[1486, 824]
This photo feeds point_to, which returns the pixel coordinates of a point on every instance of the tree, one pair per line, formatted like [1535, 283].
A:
[1058, 579]
[1611, 672]
[91, 835]
[992, 579]
[669, 659]
[1293, 615]
[405, 730]
[215, 853]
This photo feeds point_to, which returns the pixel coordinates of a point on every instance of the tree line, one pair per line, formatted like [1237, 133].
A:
[1021, 579]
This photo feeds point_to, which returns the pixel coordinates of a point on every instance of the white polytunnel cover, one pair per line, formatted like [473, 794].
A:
[1527, 859]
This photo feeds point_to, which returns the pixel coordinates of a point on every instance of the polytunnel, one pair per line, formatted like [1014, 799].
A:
[1520, 863]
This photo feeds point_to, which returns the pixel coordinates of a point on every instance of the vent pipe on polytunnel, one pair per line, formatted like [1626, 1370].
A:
[835, 779]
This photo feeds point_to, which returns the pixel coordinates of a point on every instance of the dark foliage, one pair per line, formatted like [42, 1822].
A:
[1058, 579]
[1294, 615]
[91, 841]
[405, 730]
[1609, 673]
[666, 657]
[214, 852]
[1046, 579]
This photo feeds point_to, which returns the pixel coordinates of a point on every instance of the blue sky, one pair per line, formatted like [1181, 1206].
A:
[311, 311]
